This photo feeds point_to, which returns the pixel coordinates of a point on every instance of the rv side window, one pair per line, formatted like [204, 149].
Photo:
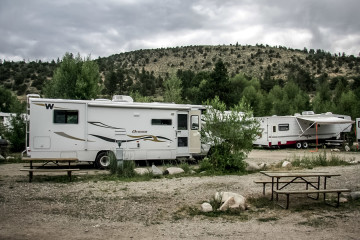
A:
[283, 127]
[274, 128]
[161, 122]
[182, 122]
[66, 116]
[194, 122]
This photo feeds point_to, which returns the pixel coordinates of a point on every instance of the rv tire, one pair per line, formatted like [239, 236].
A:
[298, 145]
[305, 145]
[103, 160]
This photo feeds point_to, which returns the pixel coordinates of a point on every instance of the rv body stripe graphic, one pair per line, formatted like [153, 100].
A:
[100, 124]
[144, 137]
[70, 137]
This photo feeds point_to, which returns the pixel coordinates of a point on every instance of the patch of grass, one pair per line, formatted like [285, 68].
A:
[320, 160]
[317, 222]
[268, 219]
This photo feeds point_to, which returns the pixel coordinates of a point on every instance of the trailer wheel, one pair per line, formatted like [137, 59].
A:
[103, 160]
[305, 145]
[298, 145]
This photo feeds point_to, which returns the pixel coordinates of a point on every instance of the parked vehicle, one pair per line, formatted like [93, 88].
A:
[91, 130]
[302, 129]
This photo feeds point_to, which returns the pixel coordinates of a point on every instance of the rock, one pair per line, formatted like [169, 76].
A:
[156, 170]
[141, 171]
[262, 165]
[286, 164]
[1, 157]
[343, 200]
[206, 207]
[335, 150]
[355, 195]
[173, 170]
[230, 200]
[347, 148]
[252, 167]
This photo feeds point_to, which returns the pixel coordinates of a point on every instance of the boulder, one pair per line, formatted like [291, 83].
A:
[173, 170]
[230, 200]
[347, 148]
[252, 166]
[286, 164]
[335, 150]
[206, 207]
[355, 195]
[141, 171]
[156, 170]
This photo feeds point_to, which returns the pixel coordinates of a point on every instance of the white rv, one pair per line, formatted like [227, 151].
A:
[90, 130]
[300, 130]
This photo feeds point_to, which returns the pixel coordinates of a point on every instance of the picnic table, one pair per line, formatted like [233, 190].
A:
[45, 161]
[281, 179]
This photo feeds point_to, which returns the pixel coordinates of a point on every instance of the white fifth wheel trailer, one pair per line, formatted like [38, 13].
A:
[300, 130]
[90, 130]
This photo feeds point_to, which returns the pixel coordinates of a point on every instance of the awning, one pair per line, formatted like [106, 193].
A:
[325, 120]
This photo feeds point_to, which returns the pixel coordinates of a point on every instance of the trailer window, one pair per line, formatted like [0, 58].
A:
[161, 122]
[194, 122]
[66, 116]
[274, 128]
[182, 121]
[283, 127]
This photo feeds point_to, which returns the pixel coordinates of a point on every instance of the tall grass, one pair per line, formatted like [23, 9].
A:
[123, 169]
[320, 160]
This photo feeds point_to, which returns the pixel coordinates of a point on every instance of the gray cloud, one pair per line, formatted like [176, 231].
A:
[45, 30]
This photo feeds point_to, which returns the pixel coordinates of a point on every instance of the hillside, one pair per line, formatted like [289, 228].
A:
[256, 61]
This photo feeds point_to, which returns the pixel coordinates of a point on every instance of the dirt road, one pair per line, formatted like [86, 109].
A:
[162, 208]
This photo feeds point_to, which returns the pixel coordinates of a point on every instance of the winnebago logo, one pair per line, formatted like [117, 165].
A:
[48, 106]
[136, 131]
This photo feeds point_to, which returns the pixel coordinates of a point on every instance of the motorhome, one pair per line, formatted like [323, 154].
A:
[302, 129]
[90, 130]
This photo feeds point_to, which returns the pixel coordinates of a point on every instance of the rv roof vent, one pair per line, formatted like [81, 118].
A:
[328, 113]
[297, 114]
[122, 98]
[102, 99]
[308, 113]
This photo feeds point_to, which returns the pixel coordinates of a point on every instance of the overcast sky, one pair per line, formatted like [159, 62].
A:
[47, 29]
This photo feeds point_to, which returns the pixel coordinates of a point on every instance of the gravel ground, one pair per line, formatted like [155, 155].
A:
[160, 208]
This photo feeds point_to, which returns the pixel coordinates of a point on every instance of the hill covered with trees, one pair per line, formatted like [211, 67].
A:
[273, 80]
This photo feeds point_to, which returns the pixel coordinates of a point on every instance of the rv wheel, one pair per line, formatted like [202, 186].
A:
[298, 145]
[103, 160]
[305, 145]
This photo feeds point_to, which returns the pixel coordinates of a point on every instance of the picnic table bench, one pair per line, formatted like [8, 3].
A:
[312, 191]
[56, 161]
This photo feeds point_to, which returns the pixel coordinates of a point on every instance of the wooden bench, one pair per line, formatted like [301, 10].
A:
[68, 170]
[264, 182]
[312, 191]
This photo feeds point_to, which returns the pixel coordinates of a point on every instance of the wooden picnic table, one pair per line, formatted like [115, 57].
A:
[48, 160]
[289, 177]
[310, 178]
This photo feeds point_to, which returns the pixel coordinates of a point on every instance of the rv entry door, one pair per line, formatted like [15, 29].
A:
[182, 134]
